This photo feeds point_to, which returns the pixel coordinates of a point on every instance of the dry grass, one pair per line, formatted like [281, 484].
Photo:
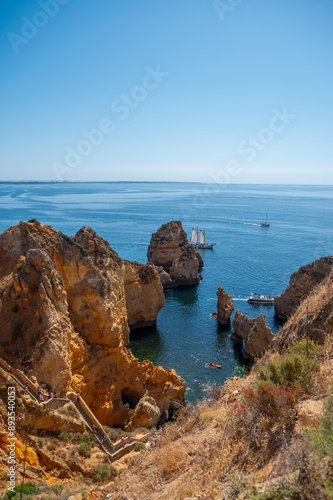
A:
[236, 446]
[172, 458]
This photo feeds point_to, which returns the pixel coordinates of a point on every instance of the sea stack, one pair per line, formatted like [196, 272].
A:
[257, 335]
[64, 322]
[225, 306]
[170, 249]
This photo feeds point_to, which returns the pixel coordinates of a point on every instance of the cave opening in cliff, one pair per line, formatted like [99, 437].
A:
[130, 397]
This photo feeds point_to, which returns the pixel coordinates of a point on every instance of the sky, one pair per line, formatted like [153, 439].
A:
[235, 91]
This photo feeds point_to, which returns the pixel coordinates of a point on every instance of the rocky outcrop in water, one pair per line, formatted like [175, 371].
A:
[64, 320]
[255, 332]
[144, 294]
[301, 283]
[170, 249]
[225, 306]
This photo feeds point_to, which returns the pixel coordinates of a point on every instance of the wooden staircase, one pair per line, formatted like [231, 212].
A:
[113, 450]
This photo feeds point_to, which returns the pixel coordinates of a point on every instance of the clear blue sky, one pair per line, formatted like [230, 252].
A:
[225, 74]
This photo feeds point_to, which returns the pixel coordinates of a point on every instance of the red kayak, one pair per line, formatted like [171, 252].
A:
[214, 365]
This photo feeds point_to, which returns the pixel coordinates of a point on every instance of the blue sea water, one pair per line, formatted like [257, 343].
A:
[246, 257]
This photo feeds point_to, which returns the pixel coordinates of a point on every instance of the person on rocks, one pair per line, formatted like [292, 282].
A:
[50, 395]
[78, 397]
[41, 397]
[55, 395]
[122, 441]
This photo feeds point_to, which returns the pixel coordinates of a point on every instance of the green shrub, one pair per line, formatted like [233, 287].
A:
[139, 446]
[84, 450]
[65, 436]
[40, 442]
[28, 489]
[290, 370]
[20, 265]
[34, 221]
[113, 435]
[305, 347]
[85, 437]
[103, 473]
[323, 437]
[67, 411]
[124, 433]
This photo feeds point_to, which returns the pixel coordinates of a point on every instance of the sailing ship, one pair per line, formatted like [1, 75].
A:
[201, 243]
[264, 223]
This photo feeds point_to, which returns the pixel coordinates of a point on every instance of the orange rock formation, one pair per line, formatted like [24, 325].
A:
[64, 320]
[170, 249]
[257, 335]
[225, 306]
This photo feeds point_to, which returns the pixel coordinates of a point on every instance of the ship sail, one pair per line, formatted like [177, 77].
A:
[194, 236]
[202, 237]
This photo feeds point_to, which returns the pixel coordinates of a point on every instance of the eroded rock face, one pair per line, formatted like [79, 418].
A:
[144, 295]
[225, 306]
[63, 320]
[301, 283]
[146, 414]
[170, 249]
[257, 335]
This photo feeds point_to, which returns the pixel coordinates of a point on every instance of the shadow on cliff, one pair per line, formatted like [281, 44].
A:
[146, 343]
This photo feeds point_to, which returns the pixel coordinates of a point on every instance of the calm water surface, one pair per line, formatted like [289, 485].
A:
[246, 257]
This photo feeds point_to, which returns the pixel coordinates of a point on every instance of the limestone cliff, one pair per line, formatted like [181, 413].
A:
[255, 332]
[225, 306]
[63, 318]
[170, 249]
[312, 319]
[301, 283]
[144, 295]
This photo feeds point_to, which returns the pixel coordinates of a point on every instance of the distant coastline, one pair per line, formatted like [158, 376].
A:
[160, 182]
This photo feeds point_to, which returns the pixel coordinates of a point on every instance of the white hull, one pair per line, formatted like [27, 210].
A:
[260, 299]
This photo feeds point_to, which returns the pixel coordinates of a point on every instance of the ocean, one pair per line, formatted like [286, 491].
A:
[246, 258]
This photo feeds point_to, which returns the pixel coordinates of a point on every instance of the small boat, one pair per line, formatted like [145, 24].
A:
[214, 365]
[264, 223]
[201, 243]
[256, 298]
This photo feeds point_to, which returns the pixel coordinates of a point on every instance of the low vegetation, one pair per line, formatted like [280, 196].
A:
[250, 440]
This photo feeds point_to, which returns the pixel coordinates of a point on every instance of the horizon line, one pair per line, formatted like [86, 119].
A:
[160, 182]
